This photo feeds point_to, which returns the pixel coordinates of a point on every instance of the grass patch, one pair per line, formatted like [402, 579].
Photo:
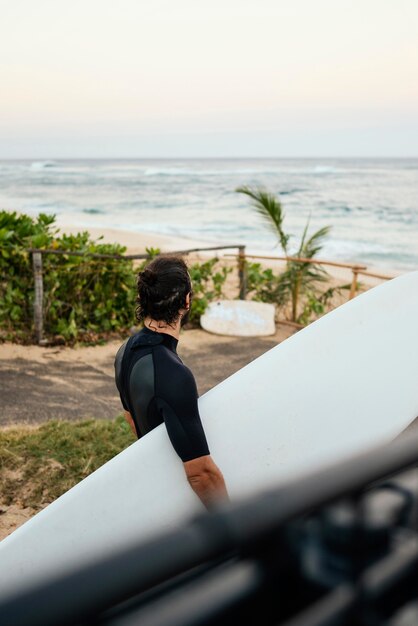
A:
[39, 464]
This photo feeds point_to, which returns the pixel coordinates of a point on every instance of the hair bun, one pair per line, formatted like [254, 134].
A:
[149, 277]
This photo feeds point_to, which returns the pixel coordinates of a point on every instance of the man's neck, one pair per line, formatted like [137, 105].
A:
[162, 327]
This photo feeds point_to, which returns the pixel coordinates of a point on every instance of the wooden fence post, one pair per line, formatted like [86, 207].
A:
[242, 273]
[39, 296]
[354, 282]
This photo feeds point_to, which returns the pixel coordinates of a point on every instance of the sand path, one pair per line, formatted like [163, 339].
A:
[74, 383]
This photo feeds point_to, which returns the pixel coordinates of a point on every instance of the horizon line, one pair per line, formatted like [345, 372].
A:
[190, 158]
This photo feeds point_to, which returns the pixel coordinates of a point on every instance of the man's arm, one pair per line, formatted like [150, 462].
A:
[206, 480]
[177, 402]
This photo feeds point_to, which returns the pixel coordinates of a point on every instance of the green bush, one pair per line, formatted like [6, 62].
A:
[207, 286]
[263, 285]
[16, 277]
[82, 295]
[85, 298]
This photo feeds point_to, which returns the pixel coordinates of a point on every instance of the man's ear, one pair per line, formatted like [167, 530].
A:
[187, 301]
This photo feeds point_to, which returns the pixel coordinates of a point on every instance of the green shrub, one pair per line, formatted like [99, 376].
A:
[16, 276]
[84, 297]
[207, 286]
[263, 285]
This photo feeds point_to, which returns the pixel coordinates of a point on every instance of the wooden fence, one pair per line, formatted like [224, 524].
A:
[37, 254]
[355, 268]
[241, 258]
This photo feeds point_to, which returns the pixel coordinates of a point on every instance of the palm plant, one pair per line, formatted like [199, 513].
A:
[300, 278]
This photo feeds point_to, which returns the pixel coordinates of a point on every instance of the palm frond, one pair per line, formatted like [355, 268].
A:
[269, 208]
[315, 243]
[298, 282]
[302, 241]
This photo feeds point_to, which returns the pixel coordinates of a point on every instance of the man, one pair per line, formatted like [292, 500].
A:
[154, 384]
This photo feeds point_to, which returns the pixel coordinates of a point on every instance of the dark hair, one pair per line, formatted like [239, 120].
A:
[162, 288]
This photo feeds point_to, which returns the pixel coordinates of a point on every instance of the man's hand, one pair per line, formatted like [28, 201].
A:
[206, 480]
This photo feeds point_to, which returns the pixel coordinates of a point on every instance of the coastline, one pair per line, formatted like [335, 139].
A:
[136, 242]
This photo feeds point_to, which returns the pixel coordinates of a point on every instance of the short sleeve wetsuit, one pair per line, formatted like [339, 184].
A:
[155, 387]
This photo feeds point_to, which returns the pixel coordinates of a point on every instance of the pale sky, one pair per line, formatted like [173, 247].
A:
[221, 78]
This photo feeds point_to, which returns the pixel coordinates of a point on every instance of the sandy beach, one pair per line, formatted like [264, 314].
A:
[137, 242]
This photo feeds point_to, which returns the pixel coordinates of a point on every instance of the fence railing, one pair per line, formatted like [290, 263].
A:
[355, 268]
[241, 258]
[38, 253]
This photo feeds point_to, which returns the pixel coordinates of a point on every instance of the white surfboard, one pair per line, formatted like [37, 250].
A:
[343, 385]
[239, 318]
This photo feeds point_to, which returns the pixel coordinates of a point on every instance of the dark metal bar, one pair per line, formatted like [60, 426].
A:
[262, 514]
[372, 585]
[406, 616]
[400, 563]
[210, 595]
[330, 610]
[110, 581]
[208, 536]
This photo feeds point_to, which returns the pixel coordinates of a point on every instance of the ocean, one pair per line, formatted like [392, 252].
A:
[370, 204]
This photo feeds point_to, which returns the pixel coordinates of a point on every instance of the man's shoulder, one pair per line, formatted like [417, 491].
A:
[138, 340]
[119, 357]
[170, 362]
[121, 350]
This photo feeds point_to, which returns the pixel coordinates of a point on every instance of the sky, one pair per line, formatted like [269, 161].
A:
[221, 78]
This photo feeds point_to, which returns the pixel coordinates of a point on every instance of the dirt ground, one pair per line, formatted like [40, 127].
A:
[73, 383]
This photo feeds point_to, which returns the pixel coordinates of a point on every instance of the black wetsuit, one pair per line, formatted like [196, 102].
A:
[155, 387]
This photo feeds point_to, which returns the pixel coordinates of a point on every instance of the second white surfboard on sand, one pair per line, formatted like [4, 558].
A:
[239, 318]
[344, 384]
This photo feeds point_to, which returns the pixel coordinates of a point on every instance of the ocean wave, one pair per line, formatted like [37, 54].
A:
[365, 202]
[93, 211]
[177, 171]
[42, 165]
[290, 192]
[355, 249]
[326, 169]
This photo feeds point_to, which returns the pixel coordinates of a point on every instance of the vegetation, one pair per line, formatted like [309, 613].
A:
[90, 299]
[82, 295]
[298, 284]
[207, 286]
[85, 298]
[39, 464]
[263, 285]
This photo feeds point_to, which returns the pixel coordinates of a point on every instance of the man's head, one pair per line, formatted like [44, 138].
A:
[163, 288]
